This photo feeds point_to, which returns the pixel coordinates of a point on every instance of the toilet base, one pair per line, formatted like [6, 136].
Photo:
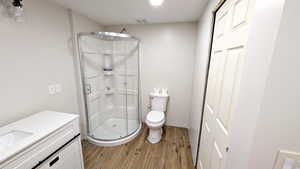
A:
[154, 135]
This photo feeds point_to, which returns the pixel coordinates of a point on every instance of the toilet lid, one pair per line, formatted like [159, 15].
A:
[156, 117]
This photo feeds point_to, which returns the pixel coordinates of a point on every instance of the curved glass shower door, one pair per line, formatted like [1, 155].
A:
[110, 75]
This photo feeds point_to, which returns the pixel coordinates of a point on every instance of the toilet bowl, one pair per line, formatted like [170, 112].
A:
[155, 121]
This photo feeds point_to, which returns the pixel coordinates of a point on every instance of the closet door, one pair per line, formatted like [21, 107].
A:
[230, 36]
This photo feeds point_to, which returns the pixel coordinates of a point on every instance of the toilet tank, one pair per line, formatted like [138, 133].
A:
[159, 102]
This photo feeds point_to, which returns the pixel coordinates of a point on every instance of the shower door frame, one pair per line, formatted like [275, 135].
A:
[132, 135]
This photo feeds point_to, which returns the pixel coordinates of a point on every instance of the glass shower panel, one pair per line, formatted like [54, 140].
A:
[100, 83]
[120, 86]
[110, 71]
[127, 69]
[132, 81]
[93, 80]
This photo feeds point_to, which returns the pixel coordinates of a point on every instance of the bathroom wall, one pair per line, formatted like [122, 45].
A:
[167, 61]
[199, 76]
[34, 54]
[278, 122]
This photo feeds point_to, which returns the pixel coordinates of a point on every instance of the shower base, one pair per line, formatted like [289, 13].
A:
[114, 132]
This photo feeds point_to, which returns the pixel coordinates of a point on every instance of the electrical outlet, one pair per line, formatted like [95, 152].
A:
[51, 89]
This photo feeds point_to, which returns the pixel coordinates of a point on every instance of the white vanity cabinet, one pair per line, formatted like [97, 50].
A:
[67, 158]
[54, 143]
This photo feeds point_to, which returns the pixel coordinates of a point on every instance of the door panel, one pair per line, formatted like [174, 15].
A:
[207, 146]
[213, 92]
[240, 12]
[217, 158]
[230, 77]
[230, 37]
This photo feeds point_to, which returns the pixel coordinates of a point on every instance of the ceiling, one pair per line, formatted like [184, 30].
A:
[117, 12]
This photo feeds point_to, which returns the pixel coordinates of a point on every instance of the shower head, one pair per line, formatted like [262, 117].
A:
[15, 9]
[17, 3]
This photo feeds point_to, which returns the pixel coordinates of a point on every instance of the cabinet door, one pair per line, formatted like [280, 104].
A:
[67, 158]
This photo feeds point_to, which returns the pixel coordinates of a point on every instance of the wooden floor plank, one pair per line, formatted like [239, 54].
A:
[173, 152]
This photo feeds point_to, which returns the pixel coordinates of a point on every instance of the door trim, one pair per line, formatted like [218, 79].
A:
[214, 13]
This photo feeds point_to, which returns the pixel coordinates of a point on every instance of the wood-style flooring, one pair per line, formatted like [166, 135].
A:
[173, 152]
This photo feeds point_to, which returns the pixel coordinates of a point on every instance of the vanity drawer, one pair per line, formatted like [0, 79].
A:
[41, 150]
[68, 157]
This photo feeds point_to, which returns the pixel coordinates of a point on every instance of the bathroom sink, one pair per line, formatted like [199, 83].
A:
[11, 138]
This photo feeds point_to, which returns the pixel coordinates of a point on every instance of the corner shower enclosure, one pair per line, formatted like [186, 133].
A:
[109, 64]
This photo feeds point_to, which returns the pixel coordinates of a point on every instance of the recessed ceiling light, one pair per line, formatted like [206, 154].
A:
[156, 3]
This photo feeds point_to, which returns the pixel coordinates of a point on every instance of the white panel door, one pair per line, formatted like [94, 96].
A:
[230, 36]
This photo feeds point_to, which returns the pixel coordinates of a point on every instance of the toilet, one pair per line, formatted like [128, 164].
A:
[156, 118]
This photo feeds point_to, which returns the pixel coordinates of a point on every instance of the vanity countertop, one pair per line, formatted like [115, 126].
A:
[32, 129]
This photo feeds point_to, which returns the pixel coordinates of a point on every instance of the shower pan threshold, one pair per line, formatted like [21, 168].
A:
[115, 135]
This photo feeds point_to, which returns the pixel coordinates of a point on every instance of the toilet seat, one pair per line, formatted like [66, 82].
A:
[155, 117]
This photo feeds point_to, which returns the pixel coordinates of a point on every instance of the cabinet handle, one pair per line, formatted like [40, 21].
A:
[54, 161]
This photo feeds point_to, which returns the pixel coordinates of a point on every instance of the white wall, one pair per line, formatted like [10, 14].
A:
[34, 54]
[201, 61]
[84, 24]
[167, 61]
[278, 123]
